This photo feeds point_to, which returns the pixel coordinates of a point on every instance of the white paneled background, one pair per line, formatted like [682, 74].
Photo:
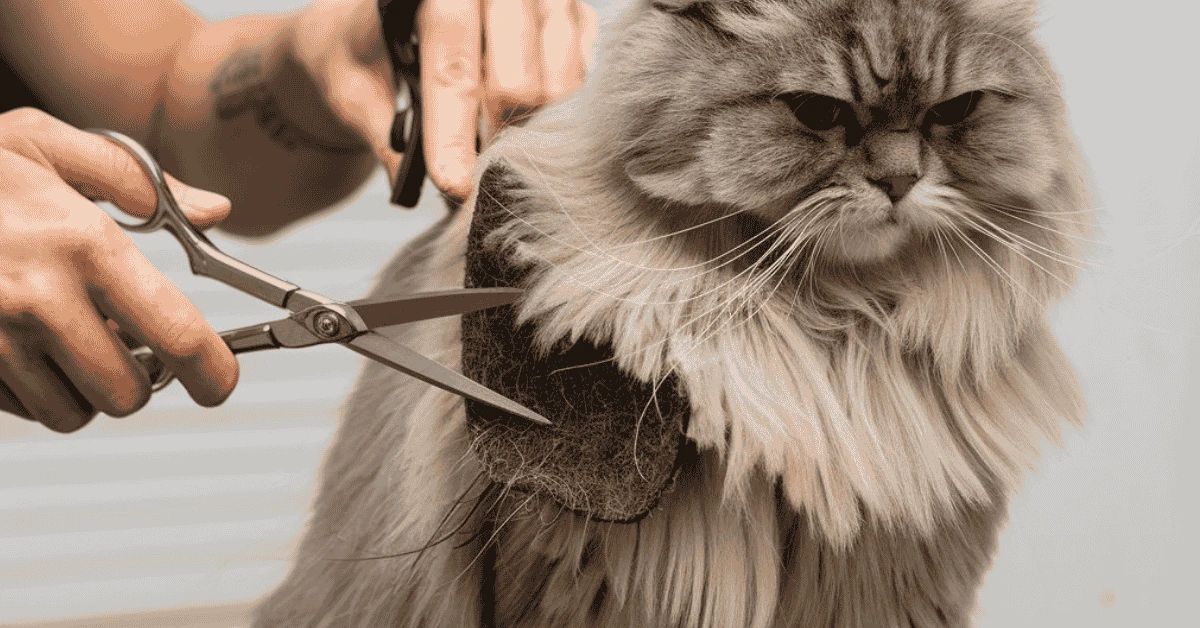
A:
[185, 508]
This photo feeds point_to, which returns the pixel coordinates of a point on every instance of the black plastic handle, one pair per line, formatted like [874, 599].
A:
[399, 19]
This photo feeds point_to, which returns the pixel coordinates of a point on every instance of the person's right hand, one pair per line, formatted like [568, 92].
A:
[67, 269]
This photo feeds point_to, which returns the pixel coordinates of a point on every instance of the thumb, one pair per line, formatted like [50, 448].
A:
[365, 99]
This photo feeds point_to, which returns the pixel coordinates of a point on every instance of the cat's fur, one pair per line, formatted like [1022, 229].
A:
[864, 400]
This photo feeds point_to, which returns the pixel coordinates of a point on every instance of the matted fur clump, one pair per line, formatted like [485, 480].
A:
[836, 226]
[593, 459]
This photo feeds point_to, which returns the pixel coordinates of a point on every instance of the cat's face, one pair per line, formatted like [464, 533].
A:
[866, 124]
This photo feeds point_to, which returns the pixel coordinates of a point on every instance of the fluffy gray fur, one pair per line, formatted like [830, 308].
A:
[867, 381]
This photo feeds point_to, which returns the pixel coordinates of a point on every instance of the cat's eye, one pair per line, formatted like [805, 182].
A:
[817, 112]
[955, 110]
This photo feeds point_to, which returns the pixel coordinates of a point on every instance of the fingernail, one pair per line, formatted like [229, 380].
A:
[203, 199]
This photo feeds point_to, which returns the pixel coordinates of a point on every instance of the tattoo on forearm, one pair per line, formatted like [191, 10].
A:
[240, 88]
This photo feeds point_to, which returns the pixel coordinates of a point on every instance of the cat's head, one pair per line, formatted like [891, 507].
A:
[874, 123]
[914, 155]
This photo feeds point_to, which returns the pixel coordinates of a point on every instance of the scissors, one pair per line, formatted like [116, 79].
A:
[314, 319]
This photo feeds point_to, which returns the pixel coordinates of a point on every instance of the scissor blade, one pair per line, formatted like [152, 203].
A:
[385, 351]
[426, 305]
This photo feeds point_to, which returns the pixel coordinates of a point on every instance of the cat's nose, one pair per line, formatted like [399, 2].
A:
[896, 186]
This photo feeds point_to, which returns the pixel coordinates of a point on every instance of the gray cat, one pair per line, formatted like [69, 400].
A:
[834, 227]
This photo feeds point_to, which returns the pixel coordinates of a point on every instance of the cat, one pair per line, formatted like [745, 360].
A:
[837, 225]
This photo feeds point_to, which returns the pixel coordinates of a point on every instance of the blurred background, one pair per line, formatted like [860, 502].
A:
[181, 516]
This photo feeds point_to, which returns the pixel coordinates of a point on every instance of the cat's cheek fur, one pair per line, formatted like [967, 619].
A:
[757, 156]
[1010, 150]
[685, 185]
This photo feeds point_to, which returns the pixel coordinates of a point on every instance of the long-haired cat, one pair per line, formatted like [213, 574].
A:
[836, 227]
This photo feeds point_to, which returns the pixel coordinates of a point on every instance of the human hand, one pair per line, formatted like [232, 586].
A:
[536, 53]
[69, 275]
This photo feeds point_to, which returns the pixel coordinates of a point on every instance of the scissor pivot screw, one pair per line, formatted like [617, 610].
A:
[327, 324]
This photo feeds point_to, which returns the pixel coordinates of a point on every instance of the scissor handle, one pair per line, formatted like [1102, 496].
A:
[164, 200]
[204, 257]
[399, 18]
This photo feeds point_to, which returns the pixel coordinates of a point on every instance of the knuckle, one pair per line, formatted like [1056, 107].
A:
[127, 171]
[455, 70]
[73, 233]
[27, 118]
[186, 337]
[21, 126]
[102, 238]
[27, 300]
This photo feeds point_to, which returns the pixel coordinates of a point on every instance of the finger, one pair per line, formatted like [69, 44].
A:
[365, 99]
[129, 340]
[562, 63]
[143, 302]
[202, 208]
[589, 31]
[11, 405]
[92, 358]
[100, 169]
[450, 77]
[40, 389]
[512, 55]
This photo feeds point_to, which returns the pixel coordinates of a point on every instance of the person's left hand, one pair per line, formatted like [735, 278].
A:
[536, 53]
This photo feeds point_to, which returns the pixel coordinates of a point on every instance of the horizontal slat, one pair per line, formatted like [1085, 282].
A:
[241, 584]
[227, 551]
[223, 616]
[163, 511]
[49, 463]
[17, 499]
[82, 447]
[169, 550]
[51, 546]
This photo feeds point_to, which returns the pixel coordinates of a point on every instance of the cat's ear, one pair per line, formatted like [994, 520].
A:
[683, 183]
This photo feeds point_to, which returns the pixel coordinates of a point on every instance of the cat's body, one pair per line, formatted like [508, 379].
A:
[862, 409]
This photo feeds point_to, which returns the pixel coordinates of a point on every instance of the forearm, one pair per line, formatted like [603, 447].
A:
[240, 117]
[96, 63]
[223, 106]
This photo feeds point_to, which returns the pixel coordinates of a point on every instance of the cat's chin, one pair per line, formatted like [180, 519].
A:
[870, 244]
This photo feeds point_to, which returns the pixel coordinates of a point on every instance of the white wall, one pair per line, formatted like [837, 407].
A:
[1097, 538]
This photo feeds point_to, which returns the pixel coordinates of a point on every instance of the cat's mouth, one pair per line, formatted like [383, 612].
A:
[871, 235]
